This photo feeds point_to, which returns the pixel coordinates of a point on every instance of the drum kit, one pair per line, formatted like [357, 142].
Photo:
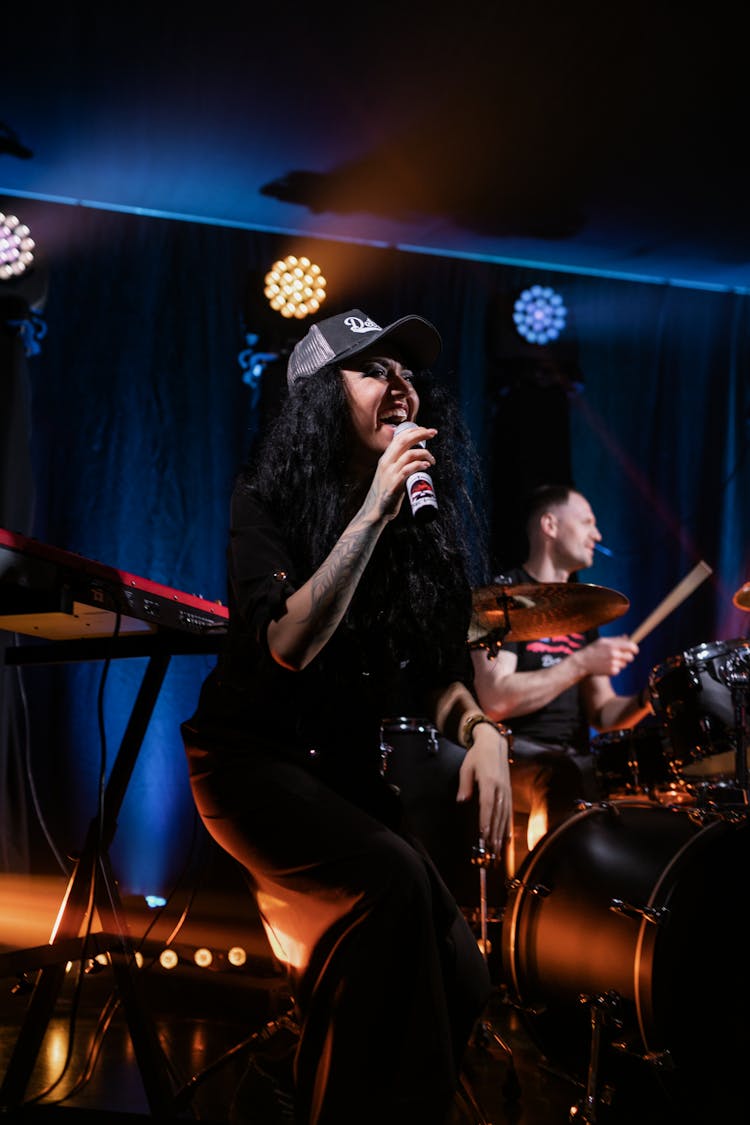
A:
[624, 932]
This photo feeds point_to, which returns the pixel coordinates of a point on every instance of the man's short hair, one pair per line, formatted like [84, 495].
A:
[542, 497]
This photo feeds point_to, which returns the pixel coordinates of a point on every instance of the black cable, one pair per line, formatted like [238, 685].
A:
[99, 820]
[64, 867]
[112, 1003]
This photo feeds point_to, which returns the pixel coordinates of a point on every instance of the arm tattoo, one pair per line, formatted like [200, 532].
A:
[335, 580]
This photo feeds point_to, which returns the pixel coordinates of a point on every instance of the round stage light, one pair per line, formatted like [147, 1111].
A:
[168, 959]
[295, 287]
[539, 314]
[16, 247]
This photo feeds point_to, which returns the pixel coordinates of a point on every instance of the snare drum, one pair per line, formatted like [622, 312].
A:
[691, 695]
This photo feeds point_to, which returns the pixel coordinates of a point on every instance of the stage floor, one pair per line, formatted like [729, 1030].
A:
[90, 1071]
[530, 1063]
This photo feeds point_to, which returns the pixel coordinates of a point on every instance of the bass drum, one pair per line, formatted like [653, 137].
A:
[644, 905]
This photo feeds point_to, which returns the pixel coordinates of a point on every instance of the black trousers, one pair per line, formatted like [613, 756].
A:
[388, 978]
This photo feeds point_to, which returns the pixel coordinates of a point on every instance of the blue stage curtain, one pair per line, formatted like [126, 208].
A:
[16, 511]
[140, 417]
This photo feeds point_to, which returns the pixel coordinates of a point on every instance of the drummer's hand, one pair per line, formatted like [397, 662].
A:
[607, 656]
[486, 765]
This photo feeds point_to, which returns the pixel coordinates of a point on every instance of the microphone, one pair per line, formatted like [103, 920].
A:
[419, 486]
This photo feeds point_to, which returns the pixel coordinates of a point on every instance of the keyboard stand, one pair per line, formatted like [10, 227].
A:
[93, 868]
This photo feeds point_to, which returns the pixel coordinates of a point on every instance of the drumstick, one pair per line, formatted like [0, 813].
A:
[681, 591]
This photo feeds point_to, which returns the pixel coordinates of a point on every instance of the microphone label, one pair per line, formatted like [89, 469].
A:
[421, 493]
[419, 486]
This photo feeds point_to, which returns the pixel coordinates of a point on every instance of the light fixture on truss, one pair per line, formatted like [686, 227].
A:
[295, 287]
[16, 247]
[539, 314]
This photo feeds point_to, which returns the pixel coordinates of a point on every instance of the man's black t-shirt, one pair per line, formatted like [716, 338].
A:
[561, 721]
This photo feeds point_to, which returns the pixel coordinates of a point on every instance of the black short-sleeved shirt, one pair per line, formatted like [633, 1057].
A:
[563, 720]
[335, 706]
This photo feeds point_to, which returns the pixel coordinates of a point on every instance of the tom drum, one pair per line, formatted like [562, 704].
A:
[424, 767]
[633, 762]
[690, 693]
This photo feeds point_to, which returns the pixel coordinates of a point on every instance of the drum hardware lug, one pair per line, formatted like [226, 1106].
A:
[539, 890]
[480, 856]
[23, 986]
[530, 1009]
[715, 799]
[385, 751]
[606, 1002]
[624, 1047]
[473, 916]
[735, 671]
[659, 1060]
[611, 807]
[648, 913]
[701, 814]
[727, 815]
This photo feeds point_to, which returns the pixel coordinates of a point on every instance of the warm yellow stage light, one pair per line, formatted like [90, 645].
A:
[295, 287]
[236, 956]
[203, 957]
[16, 247]
[168, 959]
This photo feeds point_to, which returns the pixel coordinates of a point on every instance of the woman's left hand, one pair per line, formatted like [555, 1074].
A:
[486, 766]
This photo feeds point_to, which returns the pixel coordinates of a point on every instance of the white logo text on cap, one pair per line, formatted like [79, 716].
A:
[356, 324]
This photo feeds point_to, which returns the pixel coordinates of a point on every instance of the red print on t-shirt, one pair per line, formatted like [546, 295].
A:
[561, 646]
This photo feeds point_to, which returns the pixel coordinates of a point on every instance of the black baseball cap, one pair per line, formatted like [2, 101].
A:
[329, 342]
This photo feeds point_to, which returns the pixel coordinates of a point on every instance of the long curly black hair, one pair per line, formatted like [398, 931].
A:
[420, 572]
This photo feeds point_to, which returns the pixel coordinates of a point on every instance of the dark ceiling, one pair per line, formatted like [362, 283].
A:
[582, 137]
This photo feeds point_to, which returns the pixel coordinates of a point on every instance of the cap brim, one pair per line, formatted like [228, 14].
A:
[416, 340]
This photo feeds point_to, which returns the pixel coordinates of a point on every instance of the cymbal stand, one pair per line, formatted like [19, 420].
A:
[493, 640]
[482, 858]
[486, 1031]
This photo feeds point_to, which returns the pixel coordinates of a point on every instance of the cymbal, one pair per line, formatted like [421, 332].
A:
[542, 609]
[742, 598]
